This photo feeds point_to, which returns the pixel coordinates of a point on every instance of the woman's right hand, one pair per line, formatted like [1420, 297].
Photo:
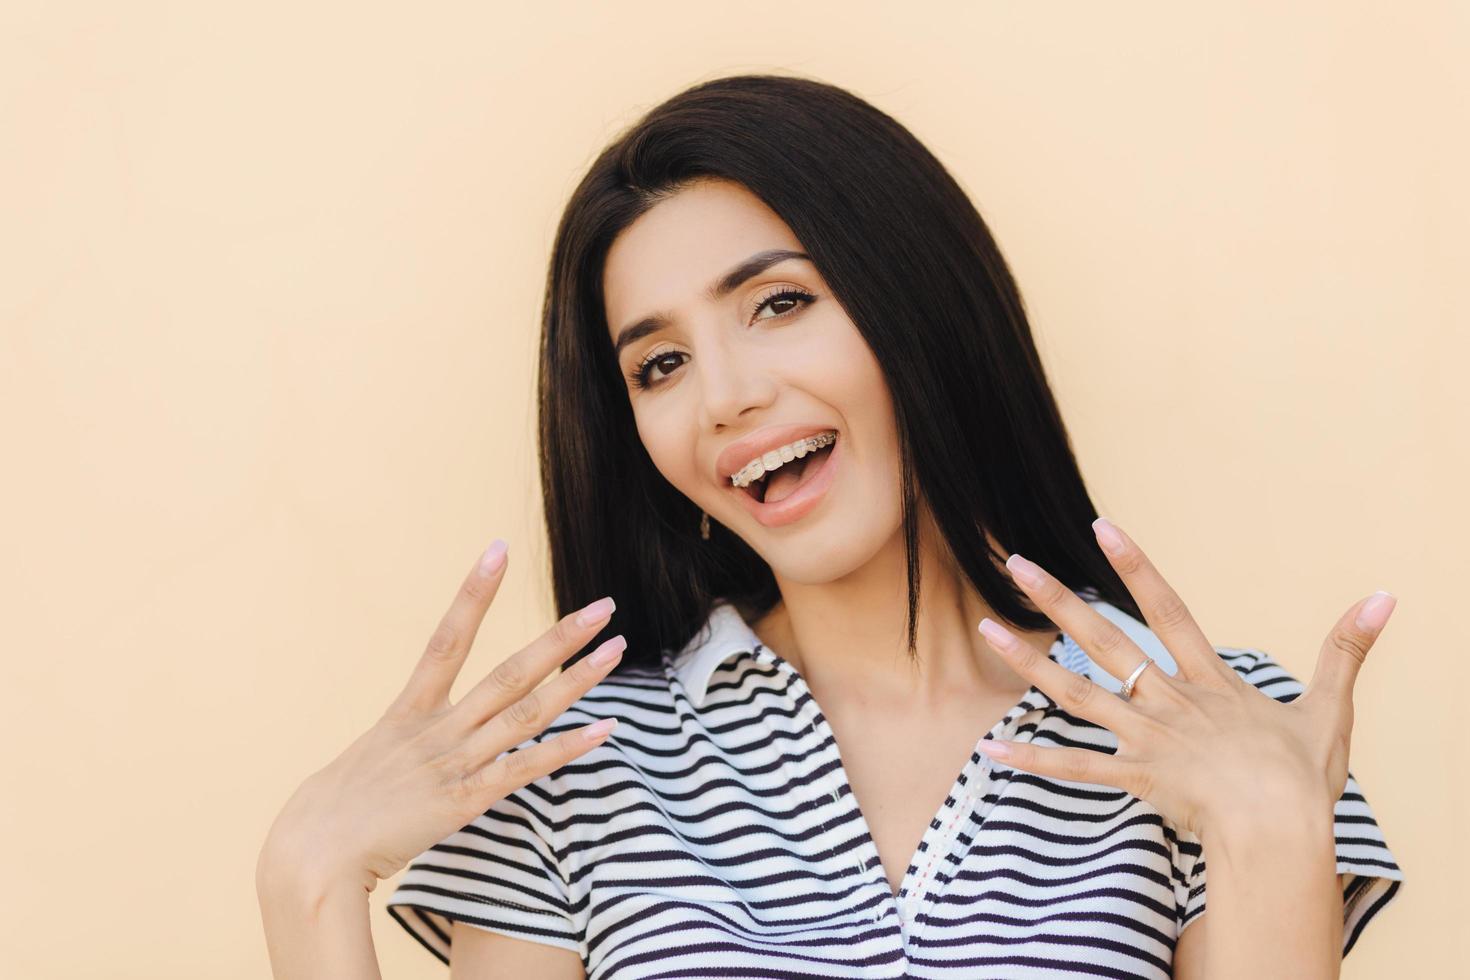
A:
[427, 768]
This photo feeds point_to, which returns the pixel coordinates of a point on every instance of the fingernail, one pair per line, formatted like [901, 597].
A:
[1375, 611]
[493, 557]
[608, 651]
[991, 747]
[1108, 536]
[1026, 571]
[596, 612]
[599, 728]
[996, 633]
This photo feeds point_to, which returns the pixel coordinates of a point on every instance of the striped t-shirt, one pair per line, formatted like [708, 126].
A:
[715, 834]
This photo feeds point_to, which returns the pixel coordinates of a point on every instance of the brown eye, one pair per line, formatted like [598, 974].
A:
[639, 377]
[788, 299]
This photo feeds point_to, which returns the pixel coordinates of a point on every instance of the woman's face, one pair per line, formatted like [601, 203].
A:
[758, 363]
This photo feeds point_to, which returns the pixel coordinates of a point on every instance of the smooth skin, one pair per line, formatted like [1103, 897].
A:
[425, 769]
[1215, 755]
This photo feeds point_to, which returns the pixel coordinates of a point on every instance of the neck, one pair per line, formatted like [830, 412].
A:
[848, 641]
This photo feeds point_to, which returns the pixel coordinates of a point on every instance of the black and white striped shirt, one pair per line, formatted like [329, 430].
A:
[715, 834]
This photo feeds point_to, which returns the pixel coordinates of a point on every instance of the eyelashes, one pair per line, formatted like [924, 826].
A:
[639, 378]
[784, 293]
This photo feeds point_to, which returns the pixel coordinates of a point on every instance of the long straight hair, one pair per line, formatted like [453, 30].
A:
[906, 253]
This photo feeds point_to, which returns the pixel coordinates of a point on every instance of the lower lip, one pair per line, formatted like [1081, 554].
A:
[802, 499]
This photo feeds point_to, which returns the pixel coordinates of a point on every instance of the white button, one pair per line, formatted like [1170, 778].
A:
[909, 908]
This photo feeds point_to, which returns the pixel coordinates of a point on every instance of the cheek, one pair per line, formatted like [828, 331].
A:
[857, 385]
[670, 444]
[844, 353]
[861, 392]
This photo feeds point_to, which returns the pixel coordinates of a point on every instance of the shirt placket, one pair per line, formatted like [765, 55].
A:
[912, 899]
[831, 788]
[942, 835]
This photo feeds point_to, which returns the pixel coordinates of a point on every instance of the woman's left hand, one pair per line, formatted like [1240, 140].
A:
[1201, 744]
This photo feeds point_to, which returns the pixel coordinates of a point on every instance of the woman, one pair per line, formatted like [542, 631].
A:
[786, 377]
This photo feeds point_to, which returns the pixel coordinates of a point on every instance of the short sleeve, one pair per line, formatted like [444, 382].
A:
[1373, 876]
[501, 872]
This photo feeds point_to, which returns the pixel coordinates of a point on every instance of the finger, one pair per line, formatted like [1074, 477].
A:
[1075, 693]
[1163, 610]
[516, 769]
[428, 687]
[516, 676]
[1108, 646]
[538, 709]
[1347, 646]
[1073, 765]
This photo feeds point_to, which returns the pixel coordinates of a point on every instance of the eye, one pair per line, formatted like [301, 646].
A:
[639, 377]
[787, 296]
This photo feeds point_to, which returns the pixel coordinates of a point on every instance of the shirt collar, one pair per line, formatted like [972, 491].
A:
[723, 635]
[726, 633]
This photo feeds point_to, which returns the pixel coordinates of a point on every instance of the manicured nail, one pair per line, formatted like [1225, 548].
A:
[997, 634]
[1375, 611]
[1108, 536]
[599, 728]
[493, 557]
[609, 651]
[994, 749]
[596, 612]
[1025, 571]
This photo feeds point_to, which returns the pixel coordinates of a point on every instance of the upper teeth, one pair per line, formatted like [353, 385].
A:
[759, 467]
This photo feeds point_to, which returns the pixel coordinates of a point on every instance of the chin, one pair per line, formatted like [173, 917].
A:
[830, 549]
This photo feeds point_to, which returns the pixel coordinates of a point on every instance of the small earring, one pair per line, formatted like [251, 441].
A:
[704, 525]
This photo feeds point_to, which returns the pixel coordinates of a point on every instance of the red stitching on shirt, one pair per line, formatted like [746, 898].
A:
[943, 844]
[943, 839]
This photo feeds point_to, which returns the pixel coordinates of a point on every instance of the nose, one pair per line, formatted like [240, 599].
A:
[733, 383]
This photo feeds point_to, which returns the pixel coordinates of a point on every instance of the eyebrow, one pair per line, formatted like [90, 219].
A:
[720, 288]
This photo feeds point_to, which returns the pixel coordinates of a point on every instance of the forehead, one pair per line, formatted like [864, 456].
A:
[666, 258]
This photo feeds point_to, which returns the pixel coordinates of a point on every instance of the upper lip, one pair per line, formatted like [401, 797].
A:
[758, 443]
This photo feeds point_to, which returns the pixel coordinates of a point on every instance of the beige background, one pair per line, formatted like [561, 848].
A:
[269, 305]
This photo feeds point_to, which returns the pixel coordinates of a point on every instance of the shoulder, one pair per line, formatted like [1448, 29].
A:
[1253, 664]
[1260, 669]
[632, 693]
[638, 696]
[553, 804]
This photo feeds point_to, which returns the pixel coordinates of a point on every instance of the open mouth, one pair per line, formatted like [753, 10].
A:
[788, 477]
